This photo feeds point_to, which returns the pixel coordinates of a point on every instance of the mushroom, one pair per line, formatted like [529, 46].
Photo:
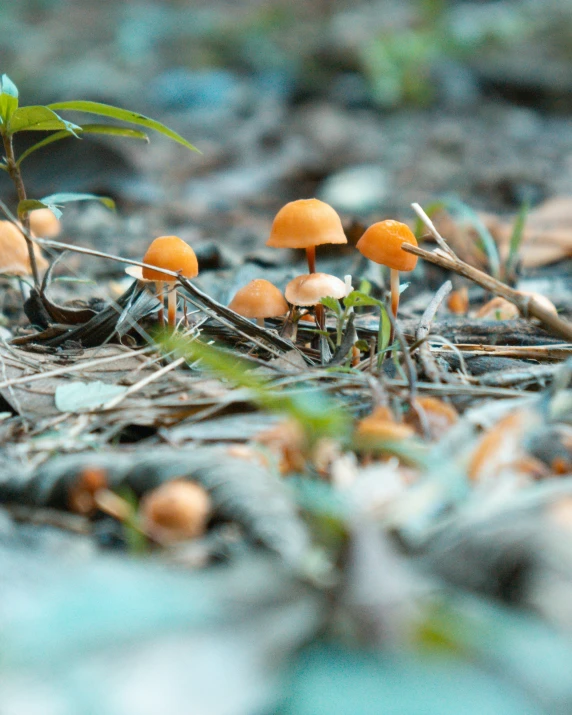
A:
[175, 511]
[14, 256]
[172, 254]
[44, 223]
[381, 425]
[259, 299]
[310, 288]
[381, 243]
[439, 416]
[306, 223]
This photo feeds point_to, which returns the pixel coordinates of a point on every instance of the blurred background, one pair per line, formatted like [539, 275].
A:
[369, 105]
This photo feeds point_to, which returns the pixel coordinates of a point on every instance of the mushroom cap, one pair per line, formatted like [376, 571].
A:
[542, 301]
[259, 299]
[176, 511]
[44, 223]
[14, 258]
[305, 223]
[310, 288]
[172, 253]
[498, 309]
[382, 242]
[381, 425]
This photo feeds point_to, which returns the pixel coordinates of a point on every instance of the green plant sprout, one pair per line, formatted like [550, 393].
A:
[44, 118]
[359, 299]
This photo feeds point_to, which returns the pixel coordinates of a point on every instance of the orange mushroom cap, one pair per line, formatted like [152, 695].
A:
[440, 416]
[381, 425]
[173, 254]
[176, 511]
[259, 299]
[310, 288]
[498, 309]
[14, 258]
[382, 242]
[44, 223]
[305, 223]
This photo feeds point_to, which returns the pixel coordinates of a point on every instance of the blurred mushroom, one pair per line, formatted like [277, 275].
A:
[44, 223]
[175, 511]
[14, 257]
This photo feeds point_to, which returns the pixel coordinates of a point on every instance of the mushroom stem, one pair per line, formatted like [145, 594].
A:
[159, 292]
[394, 291]
[394, 281]
[260, 322]
[311, 256]
[172, 305]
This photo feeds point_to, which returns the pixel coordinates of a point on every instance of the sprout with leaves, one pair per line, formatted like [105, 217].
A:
[15, 119]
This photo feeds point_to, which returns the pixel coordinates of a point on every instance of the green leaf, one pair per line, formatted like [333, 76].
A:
[38, 119]
[74, 396]
[332, 304]
[66, 198]
[54, 201]
[85, 129]
[357, 299]
[124, 115]
[8, 98]
[28, 205]
[516, 240]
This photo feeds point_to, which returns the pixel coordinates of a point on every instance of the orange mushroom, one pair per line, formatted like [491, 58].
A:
[14, 256]
[259, 299]
[306, 223]
[44, 223]
[175, 511]
[381, 425]
[439, 416]
[382, 243]
[172, 254]
[498, 309]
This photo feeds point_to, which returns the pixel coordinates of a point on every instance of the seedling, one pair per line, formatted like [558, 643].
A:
[39, 118]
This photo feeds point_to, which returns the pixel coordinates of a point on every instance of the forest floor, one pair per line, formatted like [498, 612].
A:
[396, 511]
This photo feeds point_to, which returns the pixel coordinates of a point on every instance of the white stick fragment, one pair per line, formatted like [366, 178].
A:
[431, 226]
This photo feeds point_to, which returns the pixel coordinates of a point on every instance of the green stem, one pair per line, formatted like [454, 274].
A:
[16, 176]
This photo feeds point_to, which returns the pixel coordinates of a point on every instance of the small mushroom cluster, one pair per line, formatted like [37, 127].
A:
[305, 223]
[308, 223]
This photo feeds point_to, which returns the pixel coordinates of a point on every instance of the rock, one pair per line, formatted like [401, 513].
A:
[357, 189]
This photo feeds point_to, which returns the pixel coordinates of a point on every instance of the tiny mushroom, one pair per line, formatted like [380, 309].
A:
[306, 223]
[44, 223]
[14, 256]
[259, 299]
[382, 243]
[175, 511]
[172, 254]
[310, 288]
[381, 425]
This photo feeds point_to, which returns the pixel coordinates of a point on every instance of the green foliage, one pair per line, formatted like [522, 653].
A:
[54, 201]
[8, 99]
[516, 241]
[124, 115]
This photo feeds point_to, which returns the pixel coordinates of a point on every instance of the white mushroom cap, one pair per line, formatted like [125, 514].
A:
[310, 288]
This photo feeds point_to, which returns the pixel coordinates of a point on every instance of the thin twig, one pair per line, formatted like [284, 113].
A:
[143, 383]
[78, 367]
[425, 356]
[431, 226]
[526, 304]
